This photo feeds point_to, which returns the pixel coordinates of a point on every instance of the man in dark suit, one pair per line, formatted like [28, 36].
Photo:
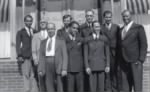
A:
[75, 62]
[97, 60]
[64, 31]
[87, 34]
[86, 28]
[24, 52]
[63, 34]
[132, 47]
[111, 30]
[53, 60]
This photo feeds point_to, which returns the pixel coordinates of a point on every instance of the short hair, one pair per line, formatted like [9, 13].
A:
[107, 12]
[42, 21]
[125, 11]
[28, 16]
[96, 21]
[74, 22]
[50, 23]
[90, 10]
[67, 16]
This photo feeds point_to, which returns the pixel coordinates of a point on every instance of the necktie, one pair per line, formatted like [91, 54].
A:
[49, 45]
[108, 27]
[124, 32]
[30, 34]
[90, 25]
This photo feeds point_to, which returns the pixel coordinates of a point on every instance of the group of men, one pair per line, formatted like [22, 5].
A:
[76, 53]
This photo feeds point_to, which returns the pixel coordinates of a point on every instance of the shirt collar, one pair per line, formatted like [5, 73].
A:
[26, 28]
[129, 24]
[51, 37]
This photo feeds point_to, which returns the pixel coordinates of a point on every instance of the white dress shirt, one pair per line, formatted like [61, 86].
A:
[52, 51]
[108, 26]
[29, 31]
[44, 34]
[126, 29]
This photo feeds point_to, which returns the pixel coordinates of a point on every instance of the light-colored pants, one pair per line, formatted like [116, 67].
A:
[30, 85]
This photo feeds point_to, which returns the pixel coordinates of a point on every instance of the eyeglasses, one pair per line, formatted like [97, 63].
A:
[50, 29]
[89, 15]
[75, 27]
[28, 21]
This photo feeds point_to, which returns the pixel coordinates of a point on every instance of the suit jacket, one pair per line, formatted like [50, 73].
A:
[133, 47]
[36, 41]
[75, 55]
[97, 55]
[111, 34]
[23, 44]
[62, 34]
[61, 57]
[85, 30]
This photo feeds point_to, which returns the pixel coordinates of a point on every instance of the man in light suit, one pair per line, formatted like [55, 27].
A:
[24, 52]
[36, 41]
[111, 30]
[132, 49]
[53, 60]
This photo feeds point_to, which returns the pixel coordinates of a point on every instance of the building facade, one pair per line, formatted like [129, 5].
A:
[52, 11]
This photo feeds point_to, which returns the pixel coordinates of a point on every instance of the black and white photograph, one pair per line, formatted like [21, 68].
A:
[74, 45]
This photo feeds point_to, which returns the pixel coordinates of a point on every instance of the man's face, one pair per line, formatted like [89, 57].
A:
[43, 25]
[126, 17]
[67, 21]
[51, 30]
[96, 26]
[28, 22]
[108, 18]
[74, 29]
[89, 16]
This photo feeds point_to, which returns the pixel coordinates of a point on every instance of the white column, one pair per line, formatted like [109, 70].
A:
[112, 6]
[123, 5]
[13, 28]
[23, 8]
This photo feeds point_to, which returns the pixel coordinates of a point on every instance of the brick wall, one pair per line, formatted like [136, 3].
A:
[11, 81]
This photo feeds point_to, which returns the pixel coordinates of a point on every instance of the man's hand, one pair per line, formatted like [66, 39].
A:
[20, 59]
[88, 70]
[36, 62]
[138, 62]
[64, 73]
[41, 73]
[107, 69]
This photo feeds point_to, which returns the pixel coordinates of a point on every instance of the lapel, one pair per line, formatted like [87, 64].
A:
[27, 33]
[106, 31]
[44, 46]
[129, 31]
[56, 45]
[87, 27]
[95, 42]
